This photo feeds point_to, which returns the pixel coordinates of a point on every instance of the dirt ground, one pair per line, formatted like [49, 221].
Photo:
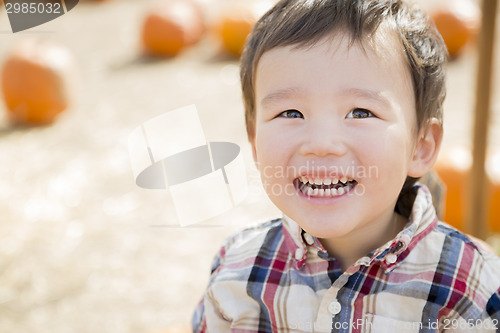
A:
[82, 248]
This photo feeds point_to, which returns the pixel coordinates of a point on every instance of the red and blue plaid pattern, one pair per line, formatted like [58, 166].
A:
[430, 278]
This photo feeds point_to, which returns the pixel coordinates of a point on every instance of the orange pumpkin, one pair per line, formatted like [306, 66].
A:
[453, 167]
[458, 22]
[36, 81]
[170, 28]
[235, 22]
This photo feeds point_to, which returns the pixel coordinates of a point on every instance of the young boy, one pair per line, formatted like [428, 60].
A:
[343, 102]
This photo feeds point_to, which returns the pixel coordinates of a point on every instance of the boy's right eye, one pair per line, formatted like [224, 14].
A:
[290, 114]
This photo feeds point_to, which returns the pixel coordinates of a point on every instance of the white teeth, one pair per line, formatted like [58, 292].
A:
[327, 181]
[329, 192]
[308, 184]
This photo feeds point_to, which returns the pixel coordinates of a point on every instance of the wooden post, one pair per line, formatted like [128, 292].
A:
[477, 219]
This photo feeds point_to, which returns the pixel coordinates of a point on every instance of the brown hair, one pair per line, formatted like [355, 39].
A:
[304, 22]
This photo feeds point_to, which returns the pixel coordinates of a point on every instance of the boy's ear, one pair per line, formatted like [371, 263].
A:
[426, 149]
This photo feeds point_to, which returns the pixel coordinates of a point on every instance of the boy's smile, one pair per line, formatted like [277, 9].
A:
[335, 136]
[324, 187]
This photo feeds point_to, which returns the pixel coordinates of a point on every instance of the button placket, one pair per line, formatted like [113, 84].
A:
[334, 307]
[330, 305]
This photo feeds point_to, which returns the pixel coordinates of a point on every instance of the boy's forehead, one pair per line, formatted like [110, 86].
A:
[384, 43]
[384, 46]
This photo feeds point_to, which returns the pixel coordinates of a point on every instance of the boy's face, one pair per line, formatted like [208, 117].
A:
[330, 112]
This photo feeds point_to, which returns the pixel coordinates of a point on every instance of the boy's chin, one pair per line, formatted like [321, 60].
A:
[326, 228]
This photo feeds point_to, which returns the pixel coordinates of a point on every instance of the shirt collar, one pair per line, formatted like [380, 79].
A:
[421, 221]
[295, 244]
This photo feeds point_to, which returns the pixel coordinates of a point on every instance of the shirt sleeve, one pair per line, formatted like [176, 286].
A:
[207, 309]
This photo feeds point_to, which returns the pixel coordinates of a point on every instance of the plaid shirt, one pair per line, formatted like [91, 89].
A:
[274, 277]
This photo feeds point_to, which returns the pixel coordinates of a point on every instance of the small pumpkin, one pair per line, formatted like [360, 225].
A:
[37, 80]
[458, 23]
[235, 22]
[453, 167]
[171, 27]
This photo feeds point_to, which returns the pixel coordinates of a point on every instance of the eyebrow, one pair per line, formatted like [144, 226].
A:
[367, 93]
[288, 92]
[280, 95]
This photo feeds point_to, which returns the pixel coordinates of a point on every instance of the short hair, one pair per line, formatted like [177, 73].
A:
[304, 22]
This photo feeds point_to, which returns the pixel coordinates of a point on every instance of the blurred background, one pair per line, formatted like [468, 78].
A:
[82, 248]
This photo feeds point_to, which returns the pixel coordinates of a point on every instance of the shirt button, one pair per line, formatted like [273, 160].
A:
[334, 307]
[363, 261]
[309, 239]
[299, 254]
[391, 258]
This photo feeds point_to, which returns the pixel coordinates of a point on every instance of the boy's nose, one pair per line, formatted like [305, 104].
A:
[324, 138]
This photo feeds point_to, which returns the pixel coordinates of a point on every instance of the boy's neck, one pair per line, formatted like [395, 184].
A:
[348, 249]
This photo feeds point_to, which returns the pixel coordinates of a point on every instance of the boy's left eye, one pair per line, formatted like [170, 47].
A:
[359, 113]
[290, 114]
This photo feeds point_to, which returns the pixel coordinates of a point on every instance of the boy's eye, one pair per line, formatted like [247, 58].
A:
[360, 113]
[290, 114]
